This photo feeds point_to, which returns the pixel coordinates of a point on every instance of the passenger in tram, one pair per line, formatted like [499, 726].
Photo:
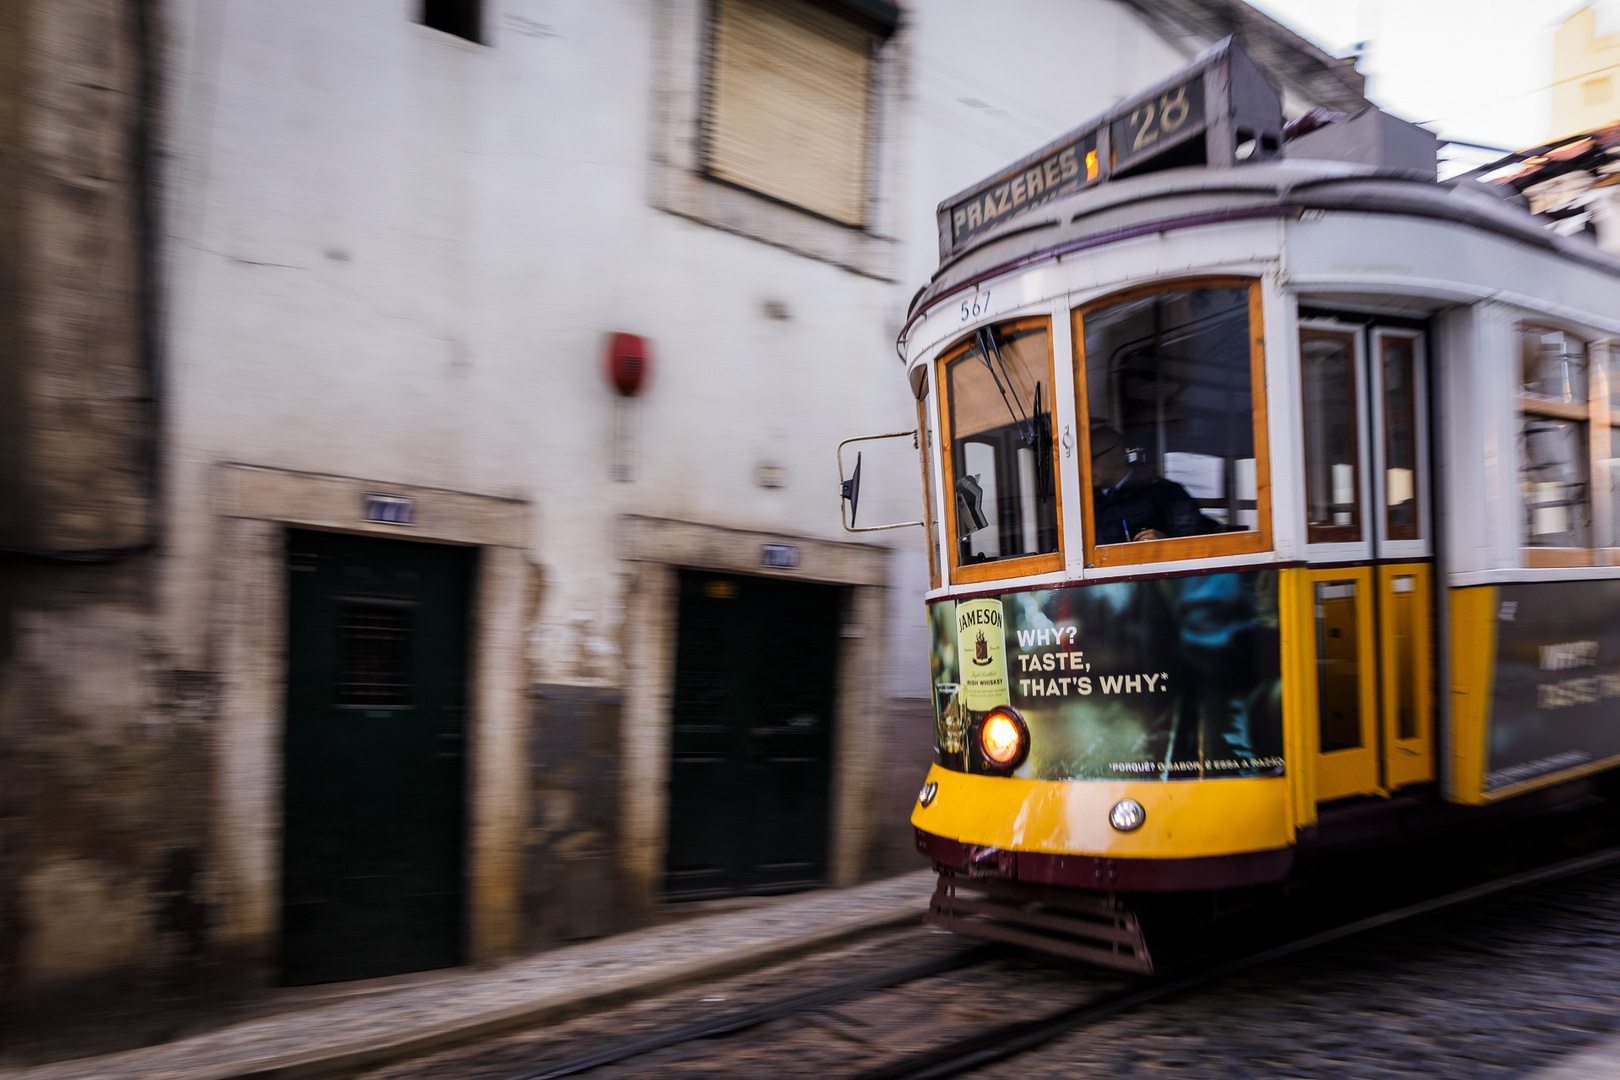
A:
[1127, 505]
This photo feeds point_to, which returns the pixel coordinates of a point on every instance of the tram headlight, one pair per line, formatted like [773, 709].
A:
[1004, 738]
[1127, 815]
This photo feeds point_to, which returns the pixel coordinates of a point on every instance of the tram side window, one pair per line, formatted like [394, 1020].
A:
[1332, 481]
[1553, 439]
[1171, 404]
[1400, 437]
[1606, 444]
[999, 404]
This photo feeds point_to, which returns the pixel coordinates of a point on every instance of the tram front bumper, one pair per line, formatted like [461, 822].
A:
[1196, 835]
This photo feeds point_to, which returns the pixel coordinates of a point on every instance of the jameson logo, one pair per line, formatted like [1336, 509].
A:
[981, 640]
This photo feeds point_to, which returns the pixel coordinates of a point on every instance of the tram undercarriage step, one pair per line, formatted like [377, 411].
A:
[1096, 928]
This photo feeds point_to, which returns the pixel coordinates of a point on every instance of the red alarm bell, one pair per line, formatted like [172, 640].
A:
[628, 363]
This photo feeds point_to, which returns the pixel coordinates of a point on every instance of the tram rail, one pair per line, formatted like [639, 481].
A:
[782, 1008]
[1001, 1042]
[1009, 1040]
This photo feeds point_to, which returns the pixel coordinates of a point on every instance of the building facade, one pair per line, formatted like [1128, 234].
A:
[1586, 52]
[354, 621]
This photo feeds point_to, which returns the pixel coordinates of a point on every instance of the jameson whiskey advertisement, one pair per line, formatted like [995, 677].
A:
[1168, 679]
[981, 640]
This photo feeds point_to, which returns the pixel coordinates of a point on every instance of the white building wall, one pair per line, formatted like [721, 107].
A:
[403, 254]
[395, 255]
[398, 254]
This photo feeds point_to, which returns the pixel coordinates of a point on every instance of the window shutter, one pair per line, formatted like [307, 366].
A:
[789, 104]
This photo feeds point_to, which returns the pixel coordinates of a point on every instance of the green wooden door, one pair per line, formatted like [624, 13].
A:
[754, 689]
[372, 879]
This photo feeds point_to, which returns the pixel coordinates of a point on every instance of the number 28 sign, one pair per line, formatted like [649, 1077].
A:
[1158, 123]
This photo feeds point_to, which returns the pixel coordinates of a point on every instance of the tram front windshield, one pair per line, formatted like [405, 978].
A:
[1168, 388]
[1001, 443]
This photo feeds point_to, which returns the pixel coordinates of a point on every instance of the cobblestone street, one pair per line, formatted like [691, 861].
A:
[1498, 989]
[1502, 987]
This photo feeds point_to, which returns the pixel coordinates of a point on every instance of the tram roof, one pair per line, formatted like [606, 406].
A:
[1194, 196]
[1298, 65]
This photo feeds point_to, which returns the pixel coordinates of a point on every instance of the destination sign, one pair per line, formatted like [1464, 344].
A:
[1157, 124]
[1061, 172]
[1200, 116]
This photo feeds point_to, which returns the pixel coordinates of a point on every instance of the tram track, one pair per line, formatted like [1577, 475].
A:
[1010, 1040]
[883, 1000]
[782, 1008]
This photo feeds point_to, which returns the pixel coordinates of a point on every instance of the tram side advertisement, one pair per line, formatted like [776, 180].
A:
[1556, 700]
[1164, 679]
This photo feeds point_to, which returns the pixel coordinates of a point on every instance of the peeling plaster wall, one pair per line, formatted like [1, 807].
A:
[104, 758]
[104, 754]
[78, 411]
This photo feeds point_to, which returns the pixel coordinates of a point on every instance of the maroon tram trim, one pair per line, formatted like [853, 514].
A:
[1094, 872]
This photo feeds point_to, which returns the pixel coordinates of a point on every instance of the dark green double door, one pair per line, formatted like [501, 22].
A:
[372, 880]
[754, 690]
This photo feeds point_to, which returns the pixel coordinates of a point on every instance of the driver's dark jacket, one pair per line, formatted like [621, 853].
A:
[1120, 513]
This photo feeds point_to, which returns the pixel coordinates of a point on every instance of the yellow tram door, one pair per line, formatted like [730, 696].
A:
[1371, 590]
[1405, 548]
[1406, 604]
[1346, 683]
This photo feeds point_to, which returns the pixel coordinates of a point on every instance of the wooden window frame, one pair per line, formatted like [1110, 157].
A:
[996, 569]
[925, 450]
[1594, 413]
[1214, 545]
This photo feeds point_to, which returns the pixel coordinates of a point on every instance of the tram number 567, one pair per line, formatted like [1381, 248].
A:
[979, 305]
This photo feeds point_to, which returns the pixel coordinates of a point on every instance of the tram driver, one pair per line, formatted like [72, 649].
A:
[1129, 503]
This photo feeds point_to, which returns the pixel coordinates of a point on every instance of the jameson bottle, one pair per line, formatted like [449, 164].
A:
[981, 653]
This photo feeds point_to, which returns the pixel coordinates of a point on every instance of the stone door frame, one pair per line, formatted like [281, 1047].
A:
[655, 549]
[253, 508]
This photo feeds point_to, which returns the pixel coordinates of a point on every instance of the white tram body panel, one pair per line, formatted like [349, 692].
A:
[1475, 283]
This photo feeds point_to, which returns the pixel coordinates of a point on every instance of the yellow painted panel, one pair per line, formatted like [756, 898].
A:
[1185, 819]
[1408, 671]
[1299, 690]
[1473, 667]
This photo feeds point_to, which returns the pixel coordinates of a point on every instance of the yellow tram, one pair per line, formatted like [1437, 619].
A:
[1270, 501]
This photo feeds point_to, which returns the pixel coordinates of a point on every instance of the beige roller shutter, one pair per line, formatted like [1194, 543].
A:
[789, 105]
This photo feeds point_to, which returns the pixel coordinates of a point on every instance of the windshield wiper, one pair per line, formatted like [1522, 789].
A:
[997, 367]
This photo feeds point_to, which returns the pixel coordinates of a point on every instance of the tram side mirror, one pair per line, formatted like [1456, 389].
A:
[849, 487]
[852, 490]
[970, 506]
